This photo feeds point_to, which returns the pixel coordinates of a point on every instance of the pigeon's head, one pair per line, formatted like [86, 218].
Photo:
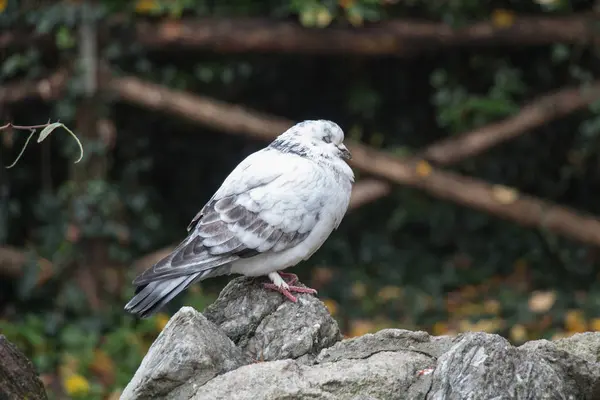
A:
[313, 138]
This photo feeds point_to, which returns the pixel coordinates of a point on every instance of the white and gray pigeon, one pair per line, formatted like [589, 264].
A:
[275, 209]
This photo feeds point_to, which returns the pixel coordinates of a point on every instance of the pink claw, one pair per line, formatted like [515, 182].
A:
[293, 277]
[287, 292]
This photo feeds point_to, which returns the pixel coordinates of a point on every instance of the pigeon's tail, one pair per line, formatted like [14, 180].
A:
[153, 296]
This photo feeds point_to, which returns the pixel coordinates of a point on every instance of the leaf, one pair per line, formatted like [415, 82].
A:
[331, 305]
[361, 328]
[424, 168]
[161, 321]
[575, 321]
[48, 130]
[504, 195]
[541, 302]
[146, 6]
[503, 18]
[324, 17]
[518, 333]
[490, 106]
[388, 293]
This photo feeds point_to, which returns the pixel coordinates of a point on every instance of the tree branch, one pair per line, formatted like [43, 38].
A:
[540, 111]
[393, 37]
[47, 88]
[502, 202]
[13, 260]
[399, 37]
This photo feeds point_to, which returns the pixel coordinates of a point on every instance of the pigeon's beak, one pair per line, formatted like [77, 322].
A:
[344, 152]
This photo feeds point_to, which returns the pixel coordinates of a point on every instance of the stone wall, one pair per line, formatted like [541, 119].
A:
[251, 344]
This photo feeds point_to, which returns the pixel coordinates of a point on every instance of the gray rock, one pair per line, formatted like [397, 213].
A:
[268, 327]
[381, 376]
[387, 340]
[261, 346]
[486, 366]
[188, 353]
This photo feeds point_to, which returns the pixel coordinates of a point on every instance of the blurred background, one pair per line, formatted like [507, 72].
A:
[475, 128]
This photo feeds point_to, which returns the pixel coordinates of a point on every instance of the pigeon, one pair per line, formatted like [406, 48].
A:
[274, 210]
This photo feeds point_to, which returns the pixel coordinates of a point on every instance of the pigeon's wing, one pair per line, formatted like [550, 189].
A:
[267, 204]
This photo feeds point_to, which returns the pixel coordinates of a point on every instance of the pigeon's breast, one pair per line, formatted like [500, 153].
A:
[318, 202]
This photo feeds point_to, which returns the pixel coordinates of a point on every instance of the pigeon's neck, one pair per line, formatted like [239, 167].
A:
[290, 147]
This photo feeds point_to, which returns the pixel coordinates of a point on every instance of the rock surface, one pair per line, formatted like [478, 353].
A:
[18, 378]
[253, 344]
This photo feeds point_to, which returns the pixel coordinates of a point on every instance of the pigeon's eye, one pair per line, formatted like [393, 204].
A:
[327, 139]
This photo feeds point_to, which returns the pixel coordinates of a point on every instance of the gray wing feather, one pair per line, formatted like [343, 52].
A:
[224, 232]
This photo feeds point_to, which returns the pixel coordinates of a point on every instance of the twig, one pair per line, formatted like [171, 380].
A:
[46, 131]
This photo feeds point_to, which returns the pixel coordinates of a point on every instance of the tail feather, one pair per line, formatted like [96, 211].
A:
[153, 296]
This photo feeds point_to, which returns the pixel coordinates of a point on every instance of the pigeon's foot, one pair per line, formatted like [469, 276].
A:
[292, 278]
[286, 288]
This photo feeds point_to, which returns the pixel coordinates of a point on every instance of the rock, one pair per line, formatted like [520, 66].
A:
[253, 344]
[486, 366]
[18, 378]
[387, 340]
[268, 327]
[188, 353]
[383, 375]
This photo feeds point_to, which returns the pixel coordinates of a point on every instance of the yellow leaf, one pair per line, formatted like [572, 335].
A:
[331, 306]
[69, 365]
[465, 325]
[389, 293]
[322, 275]
[161, 321]
[355, 18]
[469, 309]
[3, 4]
[76, 385]
[492, 306]
[518, 333]
[323, 17]
[575, 321]
[145, 6]
[103, 367]
[595, 325]
[361, 327]
[115, 395]
[489, 325]
[439, 328]
[560, 335]
[503, 18]
[359, 290]
[504, 195]
[541, 302]
[424, 168]
[346, 3]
